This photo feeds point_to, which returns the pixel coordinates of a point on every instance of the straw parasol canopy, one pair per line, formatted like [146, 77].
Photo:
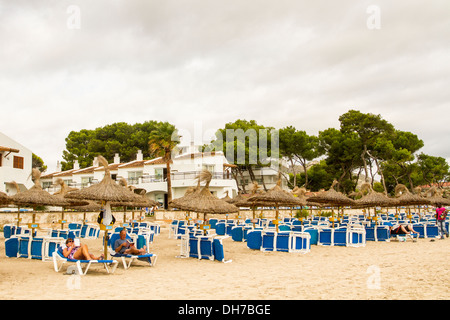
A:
[436, 198]
[227, 198]
[276, 196]
[36, 196]
[179, 202]
[405, 198]
[374, 198]
[90, 206]
[4, 199]
[63, 191]
[106, 190]
[203, 201]
[139, 199]
[331, 197]
[249, 201]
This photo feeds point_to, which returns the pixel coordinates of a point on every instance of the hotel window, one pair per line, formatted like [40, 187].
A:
[85, 181]
[159, 172]
[133, 176]
[18, 162]
[209, 167]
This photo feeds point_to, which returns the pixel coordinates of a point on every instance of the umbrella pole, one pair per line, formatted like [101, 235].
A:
[18, 216]
[254, 213]
[62, 218]
[84, 217]
[124, 214]
[33, 222]
[276, 216]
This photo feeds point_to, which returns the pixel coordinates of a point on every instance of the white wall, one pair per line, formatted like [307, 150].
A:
[7, 172]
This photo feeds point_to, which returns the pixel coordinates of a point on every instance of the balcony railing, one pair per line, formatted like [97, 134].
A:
[188, 175]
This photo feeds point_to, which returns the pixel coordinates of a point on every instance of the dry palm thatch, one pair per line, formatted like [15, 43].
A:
[435, 197]
[276, 196]
[374, 199]
[203, 201]
[179, 202]
[249, 201]
[140, 200]
[300, 194]
[227, 198]
[331, 197]
[4, 199]
[90, 206]
[105, 190]
[63, 191]
[406, 198]
[36, 196]
[238, 198]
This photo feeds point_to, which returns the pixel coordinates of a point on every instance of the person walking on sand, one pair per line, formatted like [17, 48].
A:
[441, 214]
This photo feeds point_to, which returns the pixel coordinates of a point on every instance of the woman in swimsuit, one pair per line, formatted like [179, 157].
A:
[78, 253]
[400, 229]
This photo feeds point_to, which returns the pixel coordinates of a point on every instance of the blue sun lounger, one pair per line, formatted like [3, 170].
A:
[207, 247]
[59, 261]
[150, 258]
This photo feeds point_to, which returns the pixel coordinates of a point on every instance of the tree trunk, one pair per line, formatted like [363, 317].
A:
[363, 158]
[169, 180]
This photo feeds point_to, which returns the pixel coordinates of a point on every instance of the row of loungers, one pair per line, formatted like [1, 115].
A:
[298, 236]
[20, 244]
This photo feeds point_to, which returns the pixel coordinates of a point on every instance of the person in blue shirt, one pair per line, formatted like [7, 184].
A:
[125, 246]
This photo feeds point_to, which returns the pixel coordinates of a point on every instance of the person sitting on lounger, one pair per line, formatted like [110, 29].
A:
[125, 246]
[402, 229]
[80, 252]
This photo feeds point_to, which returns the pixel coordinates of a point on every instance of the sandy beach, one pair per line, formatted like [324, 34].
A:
[380, 270]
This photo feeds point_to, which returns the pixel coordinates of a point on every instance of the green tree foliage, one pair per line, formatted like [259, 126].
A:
[433, 169]
[298, 147]
[121, 138]
[240, 142]
[37, 162]
[161, 142]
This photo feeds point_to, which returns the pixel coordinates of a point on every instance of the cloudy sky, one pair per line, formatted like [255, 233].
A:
[72, 64]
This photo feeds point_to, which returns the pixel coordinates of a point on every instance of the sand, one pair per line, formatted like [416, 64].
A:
[380, 270]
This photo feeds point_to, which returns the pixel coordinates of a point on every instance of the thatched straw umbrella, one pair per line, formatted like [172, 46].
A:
[332, 198]
[205, 202]
[249, 202]
[10, 201]
[405, 198]
[106, 191]
[64, 189]
[179, 203]
[140, 200]
[374, 199]
[4, 199]
[90, 206]
[300, 195]
[276, 196]
[227, 198]
[435, 197]
[36, 196]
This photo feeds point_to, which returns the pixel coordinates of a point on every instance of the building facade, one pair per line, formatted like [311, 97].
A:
[151, 175]
[15, 165]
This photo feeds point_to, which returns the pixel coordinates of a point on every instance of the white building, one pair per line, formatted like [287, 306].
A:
[15, 165]
[151, 175]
